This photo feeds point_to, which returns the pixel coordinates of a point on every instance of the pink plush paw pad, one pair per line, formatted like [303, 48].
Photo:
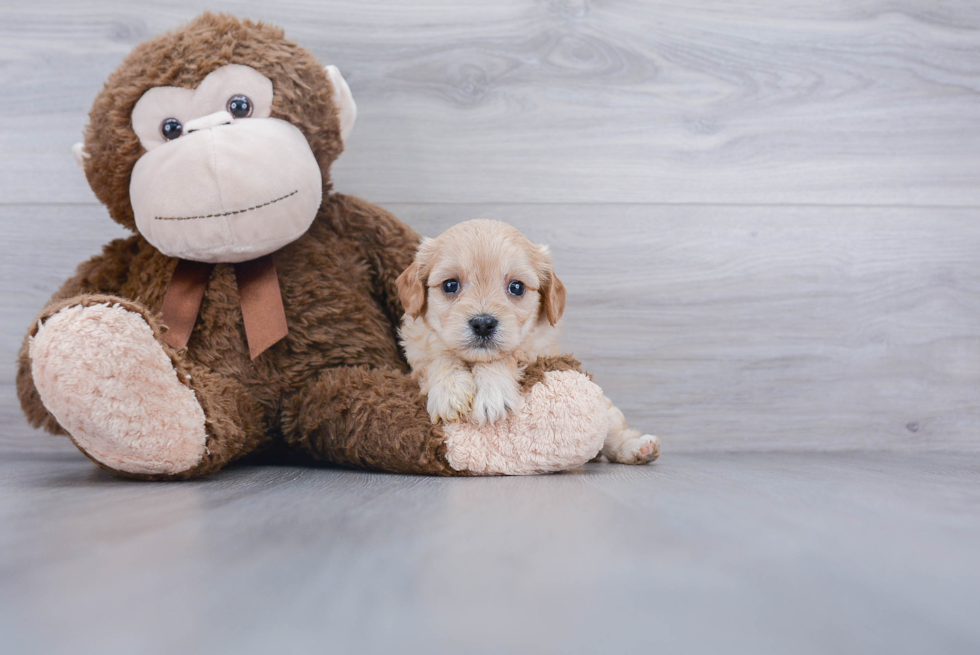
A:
[101, 372]
[562, 425]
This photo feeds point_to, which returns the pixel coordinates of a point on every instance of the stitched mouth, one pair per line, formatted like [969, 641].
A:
[231, 213]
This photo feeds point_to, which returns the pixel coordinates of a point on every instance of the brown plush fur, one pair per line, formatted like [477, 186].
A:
[302, 96]
[534, 373]
[336, 387]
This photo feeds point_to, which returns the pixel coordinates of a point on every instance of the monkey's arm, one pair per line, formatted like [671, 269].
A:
[388, 244]
[366, 418]
[103, 274]
[376, 418]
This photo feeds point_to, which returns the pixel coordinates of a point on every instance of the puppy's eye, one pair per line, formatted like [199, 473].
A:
[240, 106]
[516, 288]
[450, 287]
[171, 128]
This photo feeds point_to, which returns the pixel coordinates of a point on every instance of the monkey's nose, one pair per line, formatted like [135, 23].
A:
[207, 122]
[483, 325]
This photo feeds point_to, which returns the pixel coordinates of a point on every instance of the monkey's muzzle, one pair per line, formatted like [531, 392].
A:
[229, 192]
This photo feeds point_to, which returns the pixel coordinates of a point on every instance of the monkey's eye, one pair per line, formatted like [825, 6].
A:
[449, 287]
[171, 128]
[240, 106]
[516, 288]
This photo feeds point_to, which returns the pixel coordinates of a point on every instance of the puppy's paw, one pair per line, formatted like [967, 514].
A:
[451, 397]
[638, 450]
[495, 398]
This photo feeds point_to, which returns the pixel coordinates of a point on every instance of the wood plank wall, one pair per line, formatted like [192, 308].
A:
[767, 213]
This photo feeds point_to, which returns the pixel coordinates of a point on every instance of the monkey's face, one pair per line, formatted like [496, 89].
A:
[221, 181]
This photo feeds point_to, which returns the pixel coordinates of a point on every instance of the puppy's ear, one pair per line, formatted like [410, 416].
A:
[552, 290]
[553, 298]
[411, 290]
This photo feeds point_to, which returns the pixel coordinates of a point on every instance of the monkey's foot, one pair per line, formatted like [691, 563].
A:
[561, 425]
[103, 375]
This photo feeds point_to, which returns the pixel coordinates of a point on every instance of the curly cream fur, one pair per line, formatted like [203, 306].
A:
[466, 377]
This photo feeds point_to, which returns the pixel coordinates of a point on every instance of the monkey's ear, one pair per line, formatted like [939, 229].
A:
[342, 97]
[80, 155]
[411, 290]
[553, 298]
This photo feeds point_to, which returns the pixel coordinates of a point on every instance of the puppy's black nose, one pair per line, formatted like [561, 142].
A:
[483, 325]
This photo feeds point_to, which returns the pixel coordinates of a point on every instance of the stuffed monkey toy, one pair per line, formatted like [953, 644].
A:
[253, 309]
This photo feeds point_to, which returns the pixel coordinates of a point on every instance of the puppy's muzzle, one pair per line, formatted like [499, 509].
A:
[484, 326]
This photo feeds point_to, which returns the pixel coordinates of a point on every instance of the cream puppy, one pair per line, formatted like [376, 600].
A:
[481, 303]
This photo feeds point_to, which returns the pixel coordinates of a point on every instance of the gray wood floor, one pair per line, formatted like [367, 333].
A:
[768, 218]
[700, 553]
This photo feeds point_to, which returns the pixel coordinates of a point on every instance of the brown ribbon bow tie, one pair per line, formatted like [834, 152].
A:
[258, 289]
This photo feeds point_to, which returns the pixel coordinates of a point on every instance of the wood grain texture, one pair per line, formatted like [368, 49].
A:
[870, 102]
[832, 313]
[699, 553]
[733, 328]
